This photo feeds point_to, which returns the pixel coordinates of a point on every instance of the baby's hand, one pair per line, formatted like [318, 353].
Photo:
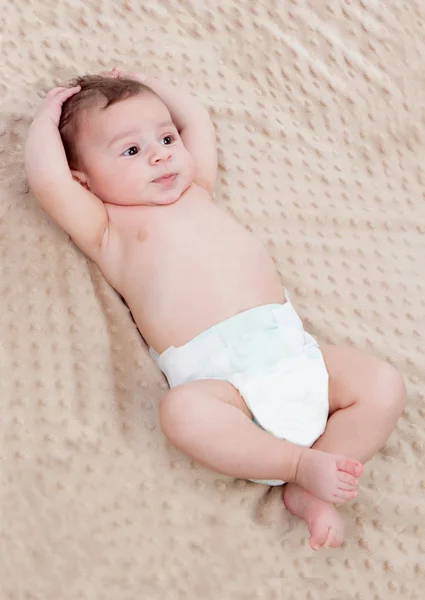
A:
[121, 74]
[52, 104]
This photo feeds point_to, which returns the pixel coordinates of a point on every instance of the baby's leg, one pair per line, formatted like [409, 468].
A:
[366, 397]
[209, 421]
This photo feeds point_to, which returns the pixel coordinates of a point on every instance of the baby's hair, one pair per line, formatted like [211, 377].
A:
[96, 90]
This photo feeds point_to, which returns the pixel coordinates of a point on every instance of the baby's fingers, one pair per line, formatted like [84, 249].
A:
[67, 93]
[52, 105]
[114, 73]
[63, 93]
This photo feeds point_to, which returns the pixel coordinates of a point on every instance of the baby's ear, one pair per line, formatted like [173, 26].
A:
[80, 178]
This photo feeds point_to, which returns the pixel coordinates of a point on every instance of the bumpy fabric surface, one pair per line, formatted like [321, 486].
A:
[319, 111]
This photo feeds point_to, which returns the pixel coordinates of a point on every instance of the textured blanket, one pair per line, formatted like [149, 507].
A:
[319, 112]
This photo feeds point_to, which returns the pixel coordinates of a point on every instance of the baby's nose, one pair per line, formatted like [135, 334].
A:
[160, 153]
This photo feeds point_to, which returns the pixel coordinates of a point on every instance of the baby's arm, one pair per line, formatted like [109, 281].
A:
[193, 123]
[79, 212]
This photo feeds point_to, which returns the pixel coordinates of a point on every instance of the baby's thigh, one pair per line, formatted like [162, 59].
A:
[355, 376]
[179, 397]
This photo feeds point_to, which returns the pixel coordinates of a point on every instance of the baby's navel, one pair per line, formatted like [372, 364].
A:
[141, 236]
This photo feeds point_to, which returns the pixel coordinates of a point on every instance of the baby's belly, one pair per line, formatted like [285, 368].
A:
[182, 302]
[195, 267]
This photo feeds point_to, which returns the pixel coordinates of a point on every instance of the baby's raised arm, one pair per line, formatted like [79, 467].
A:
[193, 123]
[79, 212]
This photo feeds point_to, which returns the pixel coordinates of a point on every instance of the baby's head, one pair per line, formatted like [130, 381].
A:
[120, 141]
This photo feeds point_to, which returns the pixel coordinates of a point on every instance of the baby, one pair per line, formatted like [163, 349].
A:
[126, 164]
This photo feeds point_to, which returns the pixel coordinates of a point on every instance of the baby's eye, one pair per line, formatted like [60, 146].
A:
[167, 140]
[131, 151]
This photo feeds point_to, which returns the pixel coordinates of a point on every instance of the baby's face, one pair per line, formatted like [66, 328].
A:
[132, 153]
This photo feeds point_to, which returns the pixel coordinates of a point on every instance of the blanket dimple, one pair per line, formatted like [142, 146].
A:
[318, 109]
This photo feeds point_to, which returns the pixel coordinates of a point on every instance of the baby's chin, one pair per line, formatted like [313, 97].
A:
[160, 198]
[172, 196]
[166, 201]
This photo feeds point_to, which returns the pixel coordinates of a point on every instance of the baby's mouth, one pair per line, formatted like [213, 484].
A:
[166, 180]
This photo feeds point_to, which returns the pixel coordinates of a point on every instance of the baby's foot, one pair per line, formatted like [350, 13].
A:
[323, 521]
[330, 477]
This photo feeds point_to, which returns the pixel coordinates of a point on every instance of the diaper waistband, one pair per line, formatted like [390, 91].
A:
[213, 339]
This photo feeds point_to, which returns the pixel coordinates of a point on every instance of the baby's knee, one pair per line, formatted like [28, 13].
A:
[391, 388]
[172, 412]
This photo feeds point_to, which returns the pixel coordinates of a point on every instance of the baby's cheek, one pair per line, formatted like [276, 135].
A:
[192, 168]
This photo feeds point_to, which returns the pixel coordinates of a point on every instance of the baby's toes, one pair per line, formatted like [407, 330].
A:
[342, 496]
[347, 481]
[346, 487]
[350, 466]
[335, 538]
[326, 528]
[319, 535]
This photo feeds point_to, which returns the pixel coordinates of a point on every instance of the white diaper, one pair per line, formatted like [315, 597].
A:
[275, 365]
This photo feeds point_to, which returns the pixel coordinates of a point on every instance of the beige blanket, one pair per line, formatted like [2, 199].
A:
[319, 114]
